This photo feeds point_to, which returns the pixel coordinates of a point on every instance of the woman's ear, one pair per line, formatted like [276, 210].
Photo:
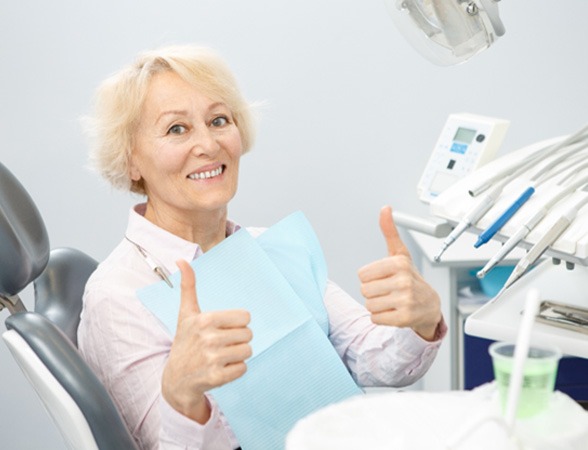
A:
[134, 171]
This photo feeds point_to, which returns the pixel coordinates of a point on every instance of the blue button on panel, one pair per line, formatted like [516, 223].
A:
[458, 148]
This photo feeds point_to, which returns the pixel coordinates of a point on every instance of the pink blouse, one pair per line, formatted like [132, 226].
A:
[127, 347]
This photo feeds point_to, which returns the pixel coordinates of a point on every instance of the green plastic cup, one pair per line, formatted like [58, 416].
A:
[539, 373]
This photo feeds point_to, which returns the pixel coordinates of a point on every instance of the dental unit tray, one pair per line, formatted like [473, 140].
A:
[500, 318]
[454, 203]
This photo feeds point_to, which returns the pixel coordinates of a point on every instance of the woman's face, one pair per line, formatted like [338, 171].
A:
[186, 149]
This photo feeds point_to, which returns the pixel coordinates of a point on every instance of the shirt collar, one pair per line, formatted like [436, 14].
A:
[163, 247]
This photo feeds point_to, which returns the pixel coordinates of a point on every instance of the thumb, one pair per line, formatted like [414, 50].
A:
[390, 232]
[189, 300]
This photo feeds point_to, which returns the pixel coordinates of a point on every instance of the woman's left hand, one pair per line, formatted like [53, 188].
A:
[395, 293]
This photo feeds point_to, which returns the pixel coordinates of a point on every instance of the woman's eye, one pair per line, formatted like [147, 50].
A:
[177, 129]
[219, 121]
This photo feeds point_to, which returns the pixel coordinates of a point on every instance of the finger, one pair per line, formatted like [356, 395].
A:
[376, 288]
[222, 375]
[390, 232]
[188, 300]
[234, 371]
[234, 354]
[385, 267]
[400, 285]
[379, 304]
[379, 288]
[218, 338]
[228, 364]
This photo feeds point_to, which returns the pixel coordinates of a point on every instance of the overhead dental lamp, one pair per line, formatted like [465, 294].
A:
[447, 32]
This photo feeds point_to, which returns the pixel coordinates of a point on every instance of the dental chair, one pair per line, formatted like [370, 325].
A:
[44, 342]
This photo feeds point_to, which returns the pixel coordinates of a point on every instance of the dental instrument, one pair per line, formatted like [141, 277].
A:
[481, 208]
[529, 224]
[489, 199]
[471, 217]
[540, 161]
[489, 232]
[560, 315]
[540, 176]
[556, 230]
[508, 171]
[152, 264]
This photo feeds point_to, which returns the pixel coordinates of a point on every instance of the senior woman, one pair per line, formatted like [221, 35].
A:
[173, 126]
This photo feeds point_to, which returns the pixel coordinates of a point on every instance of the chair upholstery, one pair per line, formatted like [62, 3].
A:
[24, 243]
[44, 342]
[59, 289]
[91, 420]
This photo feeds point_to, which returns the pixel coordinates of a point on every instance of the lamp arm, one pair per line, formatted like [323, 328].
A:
[491, 8]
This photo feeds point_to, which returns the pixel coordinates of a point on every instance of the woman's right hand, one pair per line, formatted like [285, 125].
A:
[209, 350]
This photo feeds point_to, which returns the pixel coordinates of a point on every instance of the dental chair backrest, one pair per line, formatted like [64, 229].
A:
[43, 341]
[24, 244]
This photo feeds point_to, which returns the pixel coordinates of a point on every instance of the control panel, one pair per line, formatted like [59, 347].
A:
[466, 142]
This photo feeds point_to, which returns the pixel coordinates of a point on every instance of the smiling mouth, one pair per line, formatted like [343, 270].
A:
[205, 175]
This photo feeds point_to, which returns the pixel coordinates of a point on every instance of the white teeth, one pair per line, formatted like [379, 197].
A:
[206, 175]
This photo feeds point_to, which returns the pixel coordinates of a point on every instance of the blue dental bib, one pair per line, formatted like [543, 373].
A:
[280, 277]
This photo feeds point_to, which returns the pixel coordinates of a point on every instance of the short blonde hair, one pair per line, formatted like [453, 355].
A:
[119, 101]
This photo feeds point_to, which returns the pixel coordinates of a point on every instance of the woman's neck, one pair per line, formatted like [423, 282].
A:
[205, 229]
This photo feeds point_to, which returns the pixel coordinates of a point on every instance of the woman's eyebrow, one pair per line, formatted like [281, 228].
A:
[218, 105]
[173, 112]
[183, 112]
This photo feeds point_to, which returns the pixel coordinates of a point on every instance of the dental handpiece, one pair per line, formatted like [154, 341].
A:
[512, 242]
[507, 175]
[504, 217]
[471, 217]
[560, 225]
[529, 224]
[541, 176]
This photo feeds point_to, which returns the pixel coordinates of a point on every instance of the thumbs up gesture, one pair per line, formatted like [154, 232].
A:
[395, 293]
[209, 350]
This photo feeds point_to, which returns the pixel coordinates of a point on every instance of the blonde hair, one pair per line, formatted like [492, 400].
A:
[119, 101]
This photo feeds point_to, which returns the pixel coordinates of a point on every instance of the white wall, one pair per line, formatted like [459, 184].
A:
[352, 114]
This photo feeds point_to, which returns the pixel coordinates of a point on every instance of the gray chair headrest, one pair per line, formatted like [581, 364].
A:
[60, 288]
[24, 243]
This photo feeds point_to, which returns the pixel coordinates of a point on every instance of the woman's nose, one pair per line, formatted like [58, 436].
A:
[205, 142]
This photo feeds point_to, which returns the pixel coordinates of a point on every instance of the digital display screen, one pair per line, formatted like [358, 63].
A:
[464, 135]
